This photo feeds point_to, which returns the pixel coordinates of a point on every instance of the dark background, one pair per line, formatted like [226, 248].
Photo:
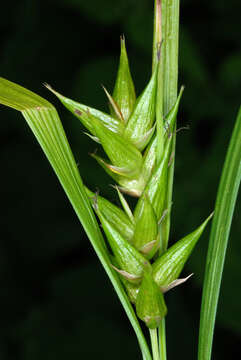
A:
[55, 300]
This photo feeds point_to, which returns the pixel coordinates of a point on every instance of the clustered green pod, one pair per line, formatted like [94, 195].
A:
[129, 138]
[142, 118]
[156, 187]
[82, 113]
[150, 303]
[169, 265]
[132, 263]
[145, 233]
[126, 132]
[113, 214]
[144, 282]
[124, 92]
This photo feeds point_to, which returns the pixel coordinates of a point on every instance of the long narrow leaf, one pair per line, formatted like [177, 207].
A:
[44, 121]
[225, 203]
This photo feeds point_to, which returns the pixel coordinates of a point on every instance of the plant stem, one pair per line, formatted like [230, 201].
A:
[157, 33]
[162, 340]
[156, 55]
[166, 31]
[154, 344]
[169, 59]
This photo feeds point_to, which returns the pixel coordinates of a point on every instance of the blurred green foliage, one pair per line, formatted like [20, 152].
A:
[56, 302]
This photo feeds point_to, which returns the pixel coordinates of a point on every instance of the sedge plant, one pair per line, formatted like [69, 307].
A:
[138, 136]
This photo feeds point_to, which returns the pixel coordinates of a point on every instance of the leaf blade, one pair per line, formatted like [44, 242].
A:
[224, 208]
[56, 149]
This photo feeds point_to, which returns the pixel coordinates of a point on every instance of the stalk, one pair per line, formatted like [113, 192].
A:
[156, 61]
[165, 48]
[169, 56]
[162, 340]
[169, 59]
[154, 344]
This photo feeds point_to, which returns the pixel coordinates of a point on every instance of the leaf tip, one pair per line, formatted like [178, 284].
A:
[122, 39]
[49, 87]
[56, 93]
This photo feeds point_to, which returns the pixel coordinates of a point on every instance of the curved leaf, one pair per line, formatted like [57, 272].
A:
[44, 121]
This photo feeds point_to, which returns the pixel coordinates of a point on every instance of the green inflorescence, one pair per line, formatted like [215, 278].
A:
[129, 138]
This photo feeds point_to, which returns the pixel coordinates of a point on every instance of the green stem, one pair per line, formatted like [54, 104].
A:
[162, 340]
[157, 33]
[154, 344]
[169, 54]
[166, 30]
[157, 49]
[169, 59]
